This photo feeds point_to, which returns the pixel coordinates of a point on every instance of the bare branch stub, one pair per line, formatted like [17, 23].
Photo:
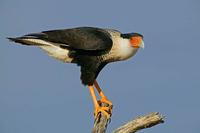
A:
[141, 122]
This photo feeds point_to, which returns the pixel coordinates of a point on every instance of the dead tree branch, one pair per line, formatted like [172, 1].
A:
[132, 126]
[141, 122]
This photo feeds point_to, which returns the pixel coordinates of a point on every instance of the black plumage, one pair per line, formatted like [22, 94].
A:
[86, 45]
[90, 67]
[129, 35]
[81, 38]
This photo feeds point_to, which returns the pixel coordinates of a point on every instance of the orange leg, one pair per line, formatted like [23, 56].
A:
[103, 97]
[98, 108]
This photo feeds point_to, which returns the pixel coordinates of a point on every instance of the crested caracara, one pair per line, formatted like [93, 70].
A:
[90, 48]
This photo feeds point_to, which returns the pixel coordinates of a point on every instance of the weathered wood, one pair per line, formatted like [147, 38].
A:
[141, 122]
[132, 126]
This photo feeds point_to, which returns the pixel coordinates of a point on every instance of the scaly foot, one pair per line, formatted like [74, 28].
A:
[107, 111]
[106, 101]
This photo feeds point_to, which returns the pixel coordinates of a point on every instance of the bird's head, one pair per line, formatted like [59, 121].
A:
[136, 39]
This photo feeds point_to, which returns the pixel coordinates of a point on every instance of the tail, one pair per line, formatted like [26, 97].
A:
[35, 39]
[19, 40]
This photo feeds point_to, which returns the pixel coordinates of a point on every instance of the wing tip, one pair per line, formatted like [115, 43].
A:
[16, 40]
[12, 39]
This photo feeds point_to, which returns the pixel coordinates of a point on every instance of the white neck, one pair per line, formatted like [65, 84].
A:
[125, 49]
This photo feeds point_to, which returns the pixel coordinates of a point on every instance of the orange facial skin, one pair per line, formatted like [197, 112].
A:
[136, 41]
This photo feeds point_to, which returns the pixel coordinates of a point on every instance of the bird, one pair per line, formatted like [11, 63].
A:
[91, 48]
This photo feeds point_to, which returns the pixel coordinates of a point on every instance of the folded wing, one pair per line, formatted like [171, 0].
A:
[82, 38]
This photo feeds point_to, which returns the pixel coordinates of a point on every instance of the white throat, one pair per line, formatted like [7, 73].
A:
[125, 49]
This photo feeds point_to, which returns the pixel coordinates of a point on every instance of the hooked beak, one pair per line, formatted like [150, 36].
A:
[142, 44]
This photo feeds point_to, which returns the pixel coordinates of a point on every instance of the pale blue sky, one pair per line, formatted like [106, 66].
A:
[41, 95]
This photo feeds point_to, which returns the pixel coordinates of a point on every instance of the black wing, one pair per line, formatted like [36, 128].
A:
[82, 38]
